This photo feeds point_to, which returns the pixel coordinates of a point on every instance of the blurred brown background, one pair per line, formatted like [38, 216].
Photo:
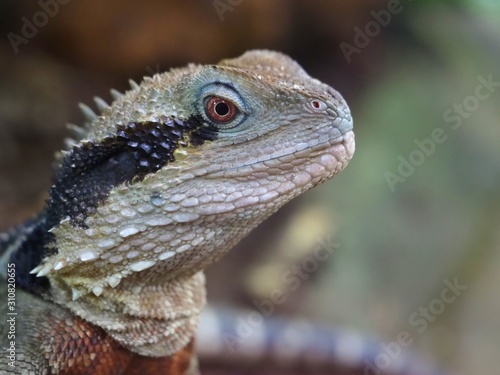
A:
[397, 241]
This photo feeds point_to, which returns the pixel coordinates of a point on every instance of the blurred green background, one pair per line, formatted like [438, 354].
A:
[400, 233]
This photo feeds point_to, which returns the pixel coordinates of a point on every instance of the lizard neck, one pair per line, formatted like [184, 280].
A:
[150, 320]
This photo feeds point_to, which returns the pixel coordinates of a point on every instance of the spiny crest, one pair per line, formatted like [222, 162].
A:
[90, 115]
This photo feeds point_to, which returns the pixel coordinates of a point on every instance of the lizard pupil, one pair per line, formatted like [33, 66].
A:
[220, 110]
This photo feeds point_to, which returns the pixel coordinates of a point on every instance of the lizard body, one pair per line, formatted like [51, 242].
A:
[159, 185]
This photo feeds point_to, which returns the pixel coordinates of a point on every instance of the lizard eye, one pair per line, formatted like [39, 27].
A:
[220, 110]
[222, 107]
[317, 105]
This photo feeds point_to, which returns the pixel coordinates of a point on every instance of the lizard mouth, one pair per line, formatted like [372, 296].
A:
[338, 136]
[332, 154]
[344, 139]
[330, 157]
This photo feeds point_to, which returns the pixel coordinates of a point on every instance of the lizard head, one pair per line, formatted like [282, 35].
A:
[181, 167]
[170, 176]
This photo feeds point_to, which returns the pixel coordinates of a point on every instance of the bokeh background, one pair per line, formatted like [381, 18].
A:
[399, 238]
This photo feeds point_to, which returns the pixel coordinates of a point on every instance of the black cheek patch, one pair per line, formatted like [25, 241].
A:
[90, 171]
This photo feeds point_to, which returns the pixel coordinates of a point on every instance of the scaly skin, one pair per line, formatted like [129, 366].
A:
[164, 181]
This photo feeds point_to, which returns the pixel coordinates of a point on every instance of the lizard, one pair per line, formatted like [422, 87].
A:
[236, 339]
[108, 278]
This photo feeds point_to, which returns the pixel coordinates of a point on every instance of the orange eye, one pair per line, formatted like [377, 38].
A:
[220, 110]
